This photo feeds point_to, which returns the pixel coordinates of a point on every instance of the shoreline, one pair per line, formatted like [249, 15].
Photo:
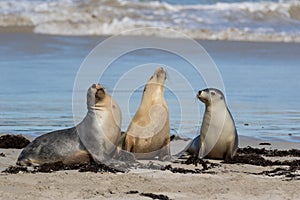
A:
[223, 37]
[244, 141]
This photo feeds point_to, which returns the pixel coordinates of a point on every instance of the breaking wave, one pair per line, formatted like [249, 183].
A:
[217, 20]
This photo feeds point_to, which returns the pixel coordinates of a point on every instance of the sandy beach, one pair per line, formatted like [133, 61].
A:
[221, 181]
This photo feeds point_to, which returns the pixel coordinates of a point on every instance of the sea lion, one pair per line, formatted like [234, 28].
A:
[218, 135]
[148, 134]
[95, 138]
[100, 130]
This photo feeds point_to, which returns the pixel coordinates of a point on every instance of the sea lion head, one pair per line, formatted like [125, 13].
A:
[210, 96]
[157, 79]
[95, 95]
[159, 76]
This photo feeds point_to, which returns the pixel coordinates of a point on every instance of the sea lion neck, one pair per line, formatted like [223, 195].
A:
[211, 107]
[101, 104]
[154, 93]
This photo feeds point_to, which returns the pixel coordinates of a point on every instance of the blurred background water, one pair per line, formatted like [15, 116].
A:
[38, 72]
[251, 20]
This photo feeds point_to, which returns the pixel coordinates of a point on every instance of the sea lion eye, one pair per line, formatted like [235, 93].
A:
[213, 93]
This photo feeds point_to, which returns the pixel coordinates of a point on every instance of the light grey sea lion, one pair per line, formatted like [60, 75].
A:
[148, 135]
[218, 137]
[95, 138]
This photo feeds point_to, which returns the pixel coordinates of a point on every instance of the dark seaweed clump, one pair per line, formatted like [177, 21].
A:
[187, 171]
[132, 192]
[151, 195]
[15, 170]
[181, 170]
[270, 153]
[85, 167]
[155, 196]
[265, 143]
[254, 159]
[192, 160]
[58, 166]
[253, 156]
[206, 165]
[288, 173]
[13, 142]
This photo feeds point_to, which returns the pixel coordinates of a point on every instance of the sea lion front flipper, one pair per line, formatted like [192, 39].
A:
[202, 151]
[91, 140]
[192, 148]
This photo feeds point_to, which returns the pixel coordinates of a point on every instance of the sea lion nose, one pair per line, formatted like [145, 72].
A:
[98, 87]
[199, 93]
[160, 69]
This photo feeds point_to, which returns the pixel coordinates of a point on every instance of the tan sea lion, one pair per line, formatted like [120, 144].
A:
[95, 138]
[148, 135]
[218, 135]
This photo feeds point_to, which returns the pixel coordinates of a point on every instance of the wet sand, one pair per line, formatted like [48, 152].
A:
[219, 181]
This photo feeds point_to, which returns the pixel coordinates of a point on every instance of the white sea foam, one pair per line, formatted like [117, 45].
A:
[267, 21]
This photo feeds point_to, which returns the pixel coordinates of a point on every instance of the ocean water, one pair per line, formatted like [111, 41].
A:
[261, 83]
[251, 20]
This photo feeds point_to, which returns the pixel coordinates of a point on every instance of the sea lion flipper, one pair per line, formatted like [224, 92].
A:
[202, 151]
[164, 154]
[192, 148]
[181, 153]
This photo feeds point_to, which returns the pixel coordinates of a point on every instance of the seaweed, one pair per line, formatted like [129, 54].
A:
[185, 171]
[269, 153]
[59, 166]
[155, 196]
[15, 170]
[253, 156]
[151, 195]
[13, 142]
[132, 192]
